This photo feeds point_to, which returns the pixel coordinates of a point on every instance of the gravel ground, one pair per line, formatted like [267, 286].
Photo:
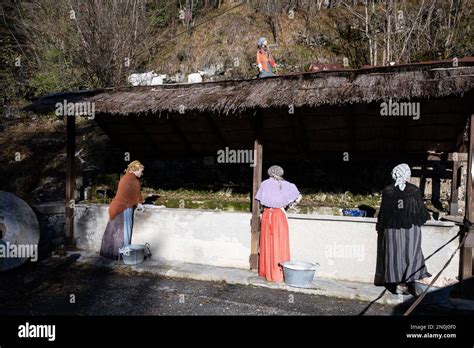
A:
[59, 286]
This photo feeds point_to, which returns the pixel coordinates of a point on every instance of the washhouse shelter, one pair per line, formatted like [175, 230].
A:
[406, 112]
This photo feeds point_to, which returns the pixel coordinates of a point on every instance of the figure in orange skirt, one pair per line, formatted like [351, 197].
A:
[275, 195]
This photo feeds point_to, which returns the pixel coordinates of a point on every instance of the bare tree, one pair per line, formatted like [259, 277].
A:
[107, 39]
[410, 30]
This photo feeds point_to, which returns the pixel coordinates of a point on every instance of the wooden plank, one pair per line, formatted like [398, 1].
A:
[458, 157]
[469, 243]
[257, 179]
[465, 259]
[452, 157]
[458, 220]
[70, 177]
[431, 173]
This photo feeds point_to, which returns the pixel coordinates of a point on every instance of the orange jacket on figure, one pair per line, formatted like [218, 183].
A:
[266, 61]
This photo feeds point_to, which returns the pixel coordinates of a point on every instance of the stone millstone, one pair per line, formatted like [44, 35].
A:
[19, 226]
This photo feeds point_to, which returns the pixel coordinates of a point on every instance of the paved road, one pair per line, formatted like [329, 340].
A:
[49, 287]
[60, 286]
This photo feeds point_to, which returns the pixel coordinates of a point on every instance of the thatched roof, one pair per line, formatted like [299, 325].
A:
[423, 80]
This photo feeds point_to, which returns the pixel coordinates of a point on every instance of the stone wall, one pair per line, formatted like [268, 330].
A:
[345, 247]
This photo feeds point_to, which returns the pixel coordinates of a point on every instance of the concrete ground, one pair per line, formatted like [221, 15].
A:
[85, 284]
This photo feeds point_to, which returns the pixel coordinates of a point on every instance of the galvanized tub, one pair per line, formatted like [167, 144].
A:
[134, 254]
[299, 274]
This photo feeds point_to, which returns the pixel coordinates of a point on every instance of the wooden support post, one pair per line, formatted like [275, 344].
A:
[257, 179]
[453, 201]
[465, 259]
[70, 176]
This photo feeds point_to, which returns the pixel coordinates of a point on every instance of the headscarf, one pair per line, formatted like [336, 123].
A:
[276, 172]
[261, 41]
[401, 174]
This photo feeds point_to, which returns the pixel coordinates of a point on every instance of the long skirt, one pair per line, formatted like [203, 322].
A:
[274, 244]
[268, 72]
[118, 234]
[399, 256]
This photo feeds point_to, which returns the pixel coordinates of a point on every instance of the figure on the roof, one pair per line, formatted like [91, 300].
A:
[400, 260]
[275, 195]
[265, 61]
[118, 232]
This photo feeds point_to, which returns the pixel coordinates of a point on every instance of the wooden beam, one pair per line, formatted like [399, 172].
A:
[457, 157]
[430, 173]
[465, 270]
[450, 157]
[465, 259]
[70, 177]
[257, 179]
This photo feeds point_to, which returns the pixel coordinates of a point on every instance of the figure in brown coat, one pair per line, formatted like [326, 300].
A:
[119, 228]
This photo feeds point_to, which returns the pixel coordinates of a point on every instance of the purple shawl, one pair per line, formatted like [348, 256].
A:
[271, 195]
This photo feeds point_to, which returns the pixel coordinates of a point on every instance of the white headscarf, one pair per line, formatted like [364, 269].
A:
[276, 172]
[401, 174]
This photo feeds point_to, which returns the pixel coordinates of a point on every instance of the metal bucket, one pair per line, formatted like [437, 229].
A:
[134, 254]
[299, 274]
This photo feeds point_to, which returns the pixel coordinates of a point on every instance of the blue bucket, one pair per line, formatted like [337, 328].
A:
[354, 212]
[299, 274]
